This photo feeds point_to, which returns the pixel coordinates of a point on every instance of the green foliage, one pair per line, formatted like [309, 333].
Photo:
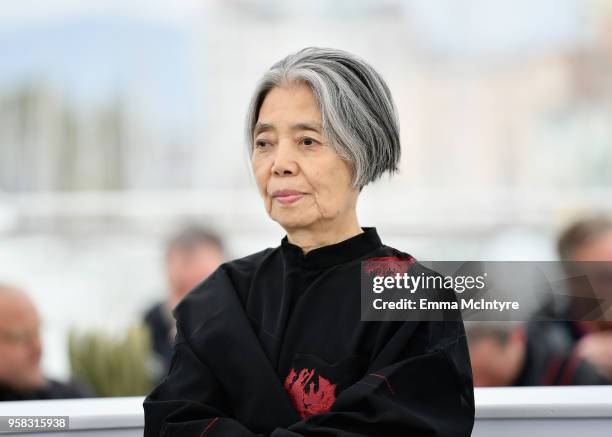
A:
[114, 366]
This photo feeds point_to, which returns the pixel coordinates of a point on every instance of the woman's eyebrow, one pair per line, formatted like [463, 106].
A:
[316, 127]
[262, 127]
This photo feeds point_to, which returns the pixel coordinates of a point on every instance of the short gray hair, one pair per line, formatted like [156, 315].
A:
[193, 236]
[581, 233]
[357, 111]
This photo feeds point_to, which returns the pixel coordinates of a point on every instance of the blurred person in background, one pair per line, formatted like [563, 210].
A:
[21, 376]
[521, 354]
[586, 240]
[191, 255]
[273, 343]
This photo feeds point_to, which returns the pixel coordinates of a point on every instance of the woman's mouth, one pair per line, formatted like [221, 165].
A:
[287, 196]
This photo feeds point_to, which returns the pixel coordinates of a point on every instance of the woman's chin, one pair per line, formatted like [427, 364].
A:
[290, 220]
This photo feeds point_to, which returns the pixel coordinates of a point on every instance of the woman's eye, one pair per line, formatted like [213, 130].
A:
[260, 144]
[308, 141]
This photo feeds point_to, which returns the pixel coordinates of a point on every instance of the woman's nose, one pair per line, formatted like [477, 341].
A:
[285, 160]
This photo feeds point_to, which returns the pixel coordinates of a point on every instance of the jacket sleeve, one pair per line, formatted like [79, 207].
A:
[428, 394]
[189, 401]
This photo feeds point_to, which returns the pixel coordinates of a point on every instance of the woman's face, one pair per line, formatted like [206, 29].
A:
[302, 180]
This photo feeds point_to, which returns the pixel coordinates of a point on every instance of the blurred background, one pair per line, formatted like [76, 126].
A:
[121, 121]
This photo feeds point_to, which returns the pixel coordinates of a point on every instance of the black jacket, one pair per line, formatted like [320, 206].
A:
[160, 329]
[272, 345]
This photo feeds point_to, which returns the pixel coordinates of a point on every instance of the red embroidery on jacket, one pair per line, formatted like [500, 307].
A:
[310, 392]
[388, 265]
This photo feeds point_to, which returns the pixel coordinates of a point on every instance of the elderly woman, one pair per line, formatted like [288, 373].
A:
[272, 344]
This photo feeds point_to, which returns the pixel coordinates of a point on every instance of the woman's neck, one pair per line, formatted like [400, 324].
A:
[323, 234]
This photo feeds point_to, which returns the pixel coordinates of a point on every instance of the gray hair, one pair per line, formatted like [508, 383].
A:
[357, 111]
[581, 233]
[193, 236]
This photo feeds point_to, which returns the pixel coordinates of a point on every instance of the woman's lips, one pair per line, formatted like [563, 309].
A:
[289, 198]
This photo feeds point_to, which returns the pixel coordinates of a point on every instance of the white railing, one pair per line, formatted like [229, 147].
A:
[518, 411]
[544, 411]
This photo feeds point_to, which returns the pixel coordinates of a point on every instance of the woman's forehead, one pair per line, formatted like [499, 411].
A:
[297, 98]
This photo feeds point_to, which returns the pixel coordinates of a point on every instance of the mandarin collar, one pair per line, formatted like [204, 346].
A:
[333, 254]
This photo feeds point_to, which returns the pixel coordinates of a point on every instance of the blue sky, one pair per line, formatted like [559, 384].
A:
[90, 59]
[496, 27]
